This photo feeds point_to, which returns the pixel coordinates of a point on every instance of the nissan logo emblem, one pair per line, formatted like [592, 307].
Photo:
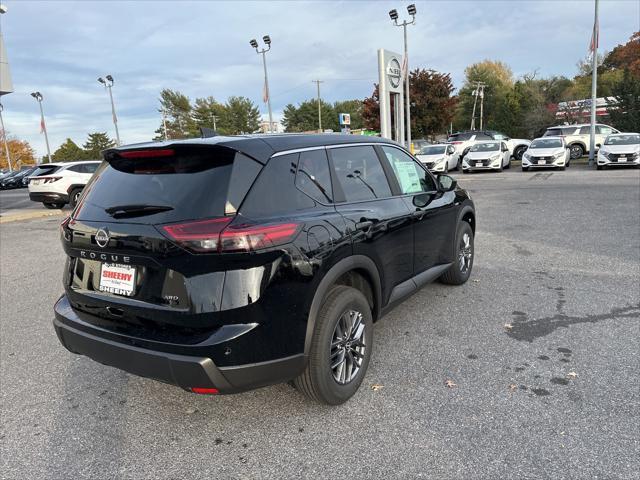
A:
[394, 73]
[102, 237]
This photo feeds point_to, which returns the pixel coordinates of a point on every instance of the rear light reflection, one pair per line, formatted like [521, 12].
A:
[160, 152]
[216, 235]
[205, 391]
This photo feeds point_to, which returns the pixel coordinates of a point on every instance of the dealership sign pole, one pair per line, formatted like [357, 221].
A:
[391, 85]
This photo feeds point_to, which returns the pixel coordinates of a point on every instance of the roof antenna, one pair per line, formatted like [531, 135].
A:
[206, 132]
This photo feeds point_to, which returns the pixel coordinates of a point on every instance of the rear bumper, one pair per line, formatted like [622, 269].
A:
[49, 197]
[184, 371]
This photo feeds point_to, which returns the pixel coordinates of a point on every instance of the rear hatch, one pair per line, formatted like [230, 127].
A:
[143, 242]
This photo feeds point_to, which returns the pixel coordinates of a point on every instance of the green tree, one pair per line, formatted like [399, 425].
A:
[355, 108]
[241, 115]
[203, 112]
[96, 143]
[177, 110]
[304, 117]
[69, 151]
[498, 79]
[626, 114]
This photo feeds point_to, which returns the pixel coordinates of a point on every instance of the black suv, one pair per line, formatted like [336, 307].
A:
[229, 263]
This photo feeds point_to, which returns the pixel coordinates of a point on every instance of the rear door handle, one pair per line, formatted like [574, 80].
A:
[418, 214]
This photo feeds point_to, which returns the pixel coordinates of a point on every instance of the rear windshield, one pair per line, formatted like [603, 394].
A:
[191, 183]
[546, 143]
[45, 170]
[436, 150]
[485, 147]
[623, 140]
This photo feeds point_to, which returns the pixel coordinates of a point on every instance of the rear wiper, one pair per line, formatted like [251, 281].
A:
[122, 211]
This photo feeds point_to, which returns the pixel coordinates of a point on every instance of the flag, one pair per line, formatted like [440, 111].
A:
[405, 66]
[42, 127]
[265, 93]
[595, 38]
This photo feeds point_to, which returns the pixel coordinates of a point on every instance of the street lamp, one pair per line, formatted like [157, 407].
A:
[265, 94]
[4, 137]
[43, 126]
[108, 83]
[393, 14]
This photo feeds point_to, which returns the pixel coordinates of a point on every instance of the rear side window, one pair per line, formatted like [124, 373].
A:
[484, 136]
[458, 137]
[76, 168]
[313, 177]
[193, 181]
[45, 170]
[360, 173]
[603, 129]
[274, 191]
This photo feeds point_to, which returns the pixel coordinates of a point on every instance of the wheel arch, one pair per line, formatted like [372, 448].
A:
[357, 271]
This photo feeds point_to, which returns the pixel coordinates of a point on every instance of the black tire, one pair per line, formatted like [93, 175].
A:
[525, 169]
[52, 206]
[318, 382]
[459, 273]
[74, 195]
[599, 167]
[508, 166]
[576, 151]
[518, 152]
[562, 168]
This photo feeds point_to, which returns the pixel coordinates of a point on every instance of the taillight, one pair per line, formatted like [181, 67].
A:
[48, 179]
[456, 142]
[216, 235]
[64, 231]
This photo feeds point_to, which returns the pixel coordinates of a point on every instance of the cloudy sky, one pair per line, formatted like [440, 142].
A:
[202, 48]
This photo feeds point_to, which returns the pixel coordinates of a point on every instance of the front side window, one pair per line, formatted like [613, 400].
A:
[585, 130]
[313, 177]
[604, 130]
[411, 177]
[360, 173]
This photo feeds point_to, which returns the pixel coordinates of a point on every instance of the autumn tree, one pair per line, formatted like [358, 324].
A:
[69, 151]
[432, 106]
[625, 56]
[20, 152]
[371, 110]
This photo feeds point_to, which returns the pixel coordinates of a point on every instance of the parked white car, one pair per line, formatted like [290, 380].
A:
[463, 141]
[439, 158]
[619, 149]
[577, 137]
[56, 184]
[487, 156]
[547, 152]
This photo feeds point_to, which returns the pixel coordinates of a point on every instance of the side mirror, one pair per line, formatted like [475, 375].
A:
[598, 145]
[446, 183]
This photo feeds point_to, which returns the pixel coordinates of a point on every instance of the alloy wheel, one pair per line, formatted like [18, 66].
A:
[347, 347]
[465, 253]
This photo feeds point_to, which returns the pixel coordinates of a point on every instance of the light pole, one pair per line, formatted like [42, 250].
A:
[394, 16]
[4, 137]
[43, 125]
[266, 97]
[108, 83]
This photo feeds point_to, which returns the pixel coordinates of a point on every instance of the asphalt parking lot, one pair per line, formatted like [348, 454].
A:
[540, 350]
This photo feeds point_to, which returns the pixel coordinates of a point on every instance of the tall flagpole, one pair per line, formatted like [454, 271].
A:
[594, 81]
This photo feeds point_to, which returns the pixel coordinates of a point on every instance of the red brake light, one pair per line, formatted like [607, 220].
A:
[205, 391]
[216, 235]
[456, 142]
[161, 152]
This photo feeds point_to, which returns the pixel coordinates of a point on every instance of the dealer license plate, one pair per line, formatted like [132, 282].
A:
[478, 164]
[118, 279]
[542, 162]
[622, 159]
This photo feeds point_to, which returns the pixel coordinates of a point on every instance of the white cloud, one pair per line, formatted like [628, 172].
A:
[201, 48]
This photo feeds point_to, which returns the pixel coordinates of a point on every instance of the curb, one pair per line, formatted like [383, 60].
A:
[30, 215]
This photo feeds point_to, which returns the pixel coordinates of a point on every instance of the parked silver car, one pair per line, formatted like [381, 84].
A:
[619, 149]
[547, 152]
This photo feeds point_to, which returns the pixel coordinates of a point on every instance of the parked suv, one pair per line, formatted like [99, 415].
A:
[229, 263]
[577, 136]
[56, 184]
